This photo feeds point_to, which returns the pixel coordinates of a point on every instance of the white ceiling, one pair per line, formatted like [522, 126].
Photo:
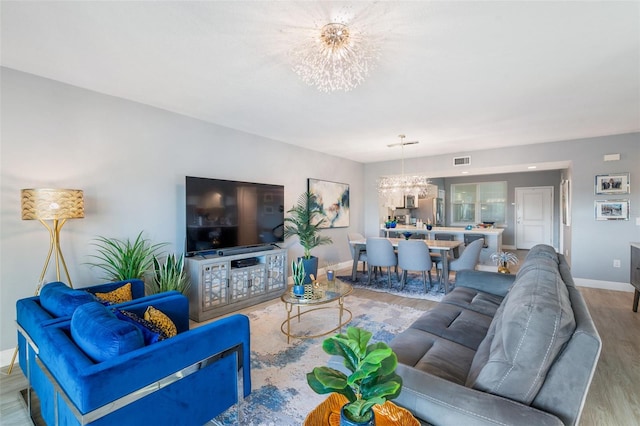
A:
[457, 75]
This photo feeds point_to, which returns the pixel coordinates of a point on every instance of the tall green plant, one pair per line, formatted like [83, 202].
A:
[373, 379]
[305, 220]
[123, 259]
[170, 275]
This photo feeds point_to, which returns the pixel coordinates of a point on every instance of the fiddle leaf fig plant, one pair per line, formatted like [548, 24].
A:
[373, 379]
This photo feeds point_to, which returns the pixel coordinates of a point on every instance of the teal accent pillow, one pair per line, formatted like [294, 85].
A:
[150, 332]
[60, 300]
[101, 335]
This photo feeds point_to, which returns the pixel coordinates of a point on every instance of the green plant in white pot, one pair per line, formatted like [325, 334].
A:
[124, 259]
[305, 221]
[169, 275]
[372, 381]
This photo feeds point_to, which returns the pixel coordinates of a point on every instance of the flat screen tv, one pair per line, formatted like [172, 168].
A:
[224, 214]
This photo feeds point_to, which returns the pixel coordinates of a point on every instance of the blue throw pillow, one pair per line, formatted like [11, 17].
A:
[150, 332]
[61, 300]
[100, 335]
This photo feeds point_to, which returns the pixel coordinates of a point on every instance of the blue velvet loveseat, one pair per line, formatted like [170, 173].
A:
[96, 367]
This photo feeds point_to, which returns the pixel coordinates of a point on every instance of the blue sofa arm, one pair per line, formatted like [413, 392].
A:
[187, 379]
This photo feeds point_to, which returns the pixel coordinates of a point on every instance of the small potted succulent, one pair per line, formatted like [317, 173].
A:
[372, 381]
[503, 259]
[298, 274]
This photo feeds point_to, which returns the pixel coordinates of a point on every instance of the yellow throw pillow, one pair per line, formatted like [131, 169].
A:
[161, 321]
[119, 295]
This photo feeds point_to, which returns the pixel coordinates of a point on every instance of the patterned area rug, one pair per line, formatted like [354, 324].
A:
[413, 288]
[281, 395]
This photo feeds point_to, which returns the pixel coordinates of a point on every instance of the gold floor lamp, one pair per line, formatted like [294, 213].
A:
[56, 205]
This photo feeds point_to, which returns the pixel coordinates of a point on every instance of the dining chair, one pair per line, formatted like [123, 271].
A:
[358, 255]
[469, 238]
[380, 253]
[413, 255]
[467, 260]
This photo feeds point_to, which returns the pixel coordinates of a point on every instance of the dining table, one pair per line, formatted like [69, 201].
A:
[440, 246]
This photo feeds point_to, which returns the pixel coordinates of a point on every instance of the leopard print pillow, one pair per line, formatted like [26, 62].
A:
[162, 321]
[119, 295]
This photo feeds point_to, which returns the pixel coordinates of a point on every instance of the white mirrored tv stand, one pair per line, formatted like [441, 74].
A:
[221, 284]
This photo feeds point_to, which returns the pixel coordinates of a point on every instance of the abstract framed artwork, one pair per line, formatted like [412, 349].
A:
[616, 183]
[612, 209]
[333, 202]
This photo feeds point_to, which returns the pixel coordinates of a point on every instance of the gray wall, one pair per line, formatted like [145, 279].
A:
[131, 161]
[590, 245]
[515, 180]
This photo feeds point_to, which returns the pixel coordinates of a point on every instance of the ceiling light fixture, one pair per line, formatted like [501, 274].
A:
[416, 185]
[337, 57]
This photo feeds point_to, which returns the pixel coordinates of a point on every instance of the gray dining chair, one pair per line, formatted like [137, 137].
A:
[413, 255]
[358, 255]
[467, 260]
[380, 253]
[448, 237]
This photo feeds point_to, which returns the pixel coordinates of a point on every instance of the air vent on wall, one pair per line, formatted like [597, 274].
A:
[462, 161]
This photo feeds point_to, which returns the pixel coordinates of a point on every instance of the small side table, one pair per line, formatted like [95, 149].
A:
[328, 413]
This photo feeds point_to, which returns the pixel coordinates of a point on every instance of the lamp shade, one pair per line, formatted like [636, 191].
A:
[50, 204]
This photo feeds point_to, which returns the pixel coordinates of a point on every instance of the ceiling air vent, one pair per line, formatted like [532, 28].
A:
[462, 161]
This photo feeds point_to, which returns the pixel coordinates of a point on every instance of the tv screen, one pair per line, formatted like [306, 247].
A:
[224, 214]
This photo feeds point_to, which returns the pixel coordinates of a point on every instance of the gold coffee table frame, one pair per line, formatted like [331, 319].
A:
[323, 292]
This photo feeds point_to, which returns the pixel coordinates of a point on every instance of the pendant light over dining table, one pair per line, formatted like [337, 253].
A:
[402, 185]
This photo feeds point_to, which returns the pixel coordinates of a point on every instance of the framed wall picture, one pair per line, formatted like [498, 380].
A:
[333, 201]
[612, 209]
[616, 183]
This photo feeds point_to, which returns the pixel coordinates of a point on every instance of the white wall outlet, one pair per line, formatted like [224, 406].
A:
[616, 263]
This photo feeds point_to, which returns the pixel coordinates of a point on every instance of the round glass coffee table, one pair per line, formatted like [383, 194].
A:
[322, 293]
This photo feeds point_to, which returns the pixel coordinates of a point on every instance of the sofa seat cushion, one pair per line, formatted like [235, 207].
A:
[60, 300]
[101, 335]
[527, 333]
[474, 300]
[454, 323]
[432, 354]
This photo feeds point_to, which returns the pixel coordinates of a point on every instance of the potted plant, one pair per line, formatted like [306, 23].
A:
[123, 259]
[304, 221]
[170, 275]
[297, 268]
[503, 259]
[372, 380]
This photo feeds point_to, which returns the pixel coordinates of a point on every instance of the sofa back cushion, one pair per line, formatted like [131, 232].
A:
[527, 333]
[100, 335]
[60, 300]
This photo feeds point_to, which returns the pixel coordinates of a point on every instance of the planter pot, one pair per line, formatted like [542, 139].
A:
[504, 268]
[344, 421]
[298, 290]
[310, 267]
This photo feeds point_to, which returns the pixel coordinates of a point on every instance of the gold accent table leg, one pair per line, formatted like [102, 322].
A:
[341, 306]
[288, 307]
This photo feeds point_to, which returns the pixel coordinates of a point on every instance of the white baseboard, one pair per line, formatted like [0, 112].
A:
[604, 285]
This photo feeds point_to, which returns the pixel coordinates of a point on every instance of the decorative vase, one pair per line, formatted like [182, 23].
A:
[298, 290]
[344, 421]
[429, 227]
[407, 235]
[504, 268]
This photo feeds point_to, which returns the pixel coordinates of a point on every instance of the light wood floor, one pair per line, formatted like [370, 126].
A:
[614, 396]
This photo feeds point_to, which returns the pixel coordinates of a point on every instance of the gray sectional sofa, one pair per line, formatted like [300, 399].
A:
[502, 349]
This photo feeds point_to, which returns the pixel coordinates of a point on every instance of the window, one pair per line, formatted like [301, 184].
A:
[473, 203]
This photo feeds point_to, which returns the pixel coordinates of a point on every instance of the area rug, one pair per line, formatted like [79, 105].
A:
[280, 395]
[413, 288]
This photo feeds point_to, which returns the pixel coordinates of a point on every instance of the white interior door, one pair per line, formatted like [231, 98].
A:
[534, 216]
